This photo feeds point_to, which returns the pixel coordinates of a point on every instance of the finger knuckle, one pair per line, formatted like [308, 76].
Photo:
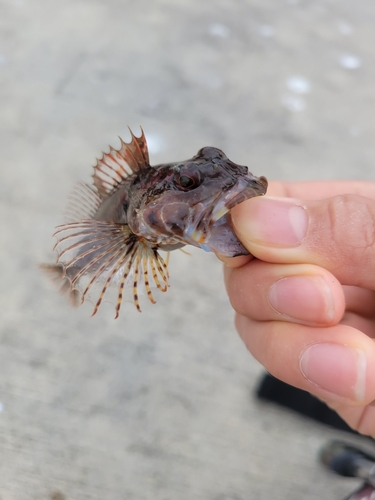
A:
[351, 227]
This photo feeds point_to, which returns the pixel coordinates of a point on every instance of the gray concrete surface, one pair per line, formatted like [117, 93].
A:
[159, 405]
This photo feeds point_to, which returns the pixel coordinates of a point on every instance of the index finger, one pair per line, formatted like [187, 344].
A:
[310, 190]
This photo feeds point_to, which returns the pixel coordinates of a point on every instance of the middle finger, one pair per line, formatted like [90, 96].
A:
[301, 293]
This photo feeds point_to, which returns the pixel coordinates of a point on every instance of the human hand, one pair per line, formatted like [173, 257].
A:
[306, 305]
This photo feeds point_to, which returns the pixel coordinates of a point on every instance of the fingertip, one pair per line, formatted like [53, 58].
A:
[271, 222]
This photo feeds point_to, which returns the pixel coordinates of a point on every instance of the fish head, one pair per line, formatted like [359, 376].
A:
[188, 202]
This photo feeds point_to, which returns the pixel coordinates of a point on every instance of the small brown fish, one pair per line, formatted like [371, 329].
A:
[117, 226]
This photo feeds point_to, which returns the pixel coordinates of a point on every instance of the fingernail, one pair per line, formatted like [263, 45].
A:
[273, 221]
[306, 298]
[338, 369]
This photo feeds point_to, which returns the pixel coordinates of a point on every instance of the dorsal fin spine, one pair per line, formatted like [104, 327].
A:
[117, 165]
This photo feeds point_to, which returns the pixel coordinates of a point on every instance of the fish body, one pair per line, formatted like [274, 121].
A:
[117, 226]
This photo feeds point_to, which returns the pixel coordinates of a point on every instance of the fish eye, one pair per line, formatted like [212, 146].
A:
[186, 182]
[188, 177]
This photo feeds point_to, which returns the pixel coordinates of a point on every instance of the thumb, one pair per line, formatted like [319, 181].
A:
[335, 233]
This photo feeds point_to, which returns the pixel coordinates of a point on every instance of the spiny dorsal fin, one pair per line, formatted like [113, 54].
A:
[117, 165]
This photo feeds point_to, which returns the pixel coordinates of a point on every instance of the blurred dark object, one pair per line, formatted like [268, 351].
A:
[272, 389]
[343, 459]
[350, 461]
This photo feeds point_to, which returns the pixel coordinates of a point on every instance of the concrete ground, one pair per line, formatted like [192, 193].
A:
[160, 405]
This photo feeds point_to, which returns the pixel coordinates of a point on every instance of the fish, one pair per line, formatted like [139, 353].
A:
[117, 226]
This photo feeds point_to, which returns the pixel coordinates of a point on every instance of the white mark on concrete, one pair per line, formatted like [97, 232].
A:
[293, 103]
[266, 30]
[350, 61]
[155, 143]
[218, 29]
[298, 84]
[345, 28]
[293, 2]
[354, 131]
[1, 407]
[3, 60]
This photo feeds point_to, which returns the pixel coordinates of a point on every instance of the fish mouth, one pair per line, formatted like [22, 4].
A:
[214, 231]
[246, 188]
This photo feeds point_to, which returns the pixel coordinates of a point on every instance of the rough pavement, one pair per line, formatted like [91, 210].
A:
[160, 405]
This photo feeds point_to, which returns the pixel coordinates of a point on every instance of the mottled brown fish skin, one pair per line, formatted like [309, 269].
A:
[167, 204]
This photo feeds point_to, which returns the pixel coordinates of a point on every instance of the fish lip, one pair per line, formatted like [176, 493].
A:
[246, 188]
